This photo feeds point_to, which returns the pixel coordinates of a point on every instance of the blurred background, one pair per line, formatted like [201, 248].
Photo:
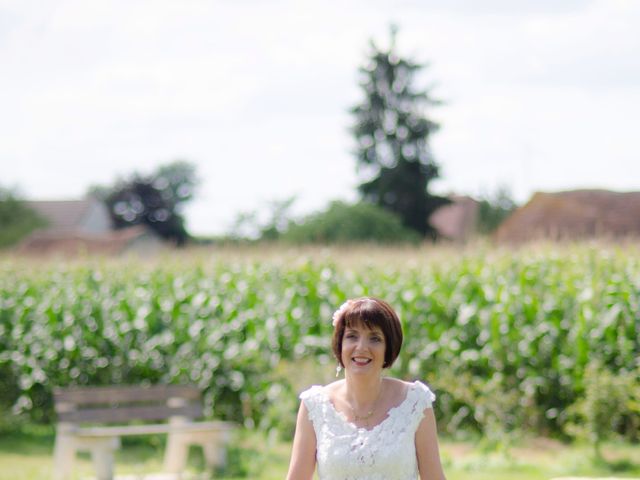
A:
[189, 189]
[535, 96]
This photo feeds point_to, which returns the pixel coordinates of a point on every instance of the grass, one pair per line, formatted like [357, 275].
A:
[537, 459]
[27, 455]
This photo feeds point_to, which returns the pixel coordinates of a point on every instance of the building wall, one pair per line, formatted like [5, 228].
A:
[457, 220]
[144, 245]
[96, 220]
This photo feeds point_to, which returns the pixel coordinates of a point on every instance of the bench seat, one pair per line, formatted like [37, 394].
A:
[126, 430]
[94, 418]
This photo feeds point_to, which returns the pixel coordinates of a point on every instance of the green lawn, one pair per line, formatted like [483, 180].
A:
[27, 456]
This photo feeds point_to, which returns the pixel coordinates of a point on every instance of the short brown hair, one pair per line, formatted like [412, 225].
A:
[373, 312]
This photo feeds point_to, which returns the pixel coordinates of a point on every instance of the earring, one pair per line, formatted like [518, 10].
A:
[338, 370]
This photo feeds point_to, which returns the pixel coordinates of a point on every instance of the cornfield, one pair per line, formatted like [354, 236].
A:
[503, 337]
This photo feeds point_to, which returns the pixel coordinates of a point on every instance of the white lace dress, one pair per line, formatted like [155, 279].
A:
[385, 452]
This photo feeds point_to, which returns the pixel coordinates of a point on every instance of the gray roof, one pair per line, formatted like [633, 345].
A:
[62, 215]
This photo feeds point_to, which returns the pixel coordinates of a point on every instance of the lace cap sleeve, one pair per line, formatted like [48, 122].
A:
[421, 398]
[425, 397]
[312, 399]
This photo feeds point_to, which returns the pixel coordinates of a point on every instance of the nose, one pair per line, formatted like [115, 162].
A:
[362, 344]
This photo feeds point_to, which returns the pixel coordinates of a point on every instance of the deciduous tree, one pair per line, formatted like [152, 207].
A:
[154, 200]
[17, 220]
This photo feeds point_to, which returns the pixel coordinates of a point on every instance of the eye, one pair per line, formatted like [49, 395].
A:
[377, 339]
[351, 335]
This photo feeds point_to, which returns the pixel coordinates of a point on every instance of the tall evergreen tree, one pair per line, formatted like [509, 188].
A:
[392, 134]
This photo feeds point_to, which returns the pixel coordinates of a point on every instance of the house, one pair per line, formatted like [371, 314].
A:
[84, 227]
[137, 240]
[87, 216]
[573, 215]
[456, 221]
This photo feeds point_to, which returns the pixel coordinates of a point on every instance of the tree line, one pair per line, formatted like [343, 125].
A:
[394, 162]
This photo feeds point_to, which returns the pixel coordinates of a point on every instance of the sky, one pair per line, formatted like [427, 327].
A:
[537, 95]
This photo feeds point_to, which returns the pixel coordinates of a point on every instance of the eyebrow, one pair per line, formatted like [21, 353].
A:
[377, 331]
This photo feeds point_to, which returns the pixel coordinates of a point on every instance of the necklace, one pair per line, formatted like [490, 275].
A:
[362, 418]
[366, 416]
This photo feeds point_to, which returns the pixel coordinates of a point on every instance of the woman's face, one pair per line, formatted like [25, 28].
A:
[363, 349]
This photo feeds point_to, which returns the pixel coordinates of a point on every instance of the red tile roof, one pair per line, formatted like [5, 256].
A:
[573, 215]
[69, 244]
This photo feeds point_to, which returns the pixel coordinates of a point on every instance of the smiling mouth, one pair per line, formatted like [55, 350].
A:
[360, 361]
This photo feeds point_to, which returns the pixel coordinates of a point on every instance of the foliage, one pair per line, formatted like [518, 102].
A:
[611, 402]
[504, 338]
[139, 201]
[154, 200]
[249, 226]
[280, 219]
[339, 223]
[494, 209]
[17, 220]
[344, 223]
[179, 178]
[392, 136]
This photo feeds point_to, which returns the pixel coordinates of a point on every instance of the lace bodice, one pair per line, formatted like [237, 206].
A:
[385, 452]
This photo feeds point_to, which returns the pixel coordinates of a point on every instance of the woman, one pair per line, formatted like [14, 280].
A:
[366, 427]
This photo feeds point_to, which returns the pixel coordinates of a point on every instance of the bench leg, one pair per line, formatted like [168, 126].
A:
[64, 455]
[212, 443]
[214, 454]
[103, 464]
[176, 454]
[102, 455]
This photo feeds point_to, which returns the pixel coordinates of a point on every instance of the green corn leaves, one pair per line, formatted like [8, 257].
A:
[503, 337]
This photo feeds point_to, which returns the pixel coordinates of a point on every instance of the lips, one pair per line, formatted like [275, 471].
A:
[361, 361]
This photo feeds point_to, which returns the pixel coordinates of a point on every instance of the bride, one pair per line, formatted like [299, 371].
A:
[366, 427]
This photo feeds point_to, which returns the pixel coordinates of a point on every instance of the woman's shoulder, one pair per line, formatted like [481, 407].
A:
[400, 387]
[416, 388]
[321, 390]
[423, 393]
[334, 386]
[396, 383]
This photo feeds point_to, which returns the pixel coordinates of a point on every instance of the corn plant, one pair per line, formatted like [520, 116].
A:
[504, 337]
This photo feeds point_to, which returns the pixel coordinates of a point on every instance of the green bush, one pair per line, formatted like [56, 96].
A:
[610, 404]
[344, 223]
[17, 220]
[493, 210]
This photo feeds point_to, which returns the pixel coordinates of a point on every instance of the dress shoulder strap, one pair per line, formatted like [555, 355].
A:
[419, 398]
[424, 396]
[313, 398]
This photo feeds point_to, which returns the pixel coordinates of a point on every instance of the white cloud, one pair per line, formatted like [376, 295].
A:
[256, 93]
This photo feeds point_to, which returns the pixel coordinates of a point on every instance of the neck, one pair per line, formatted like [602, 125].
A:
[362, 391]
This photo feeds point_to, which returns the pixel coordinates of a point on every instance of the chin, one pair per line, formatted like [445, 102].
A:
[366, 370]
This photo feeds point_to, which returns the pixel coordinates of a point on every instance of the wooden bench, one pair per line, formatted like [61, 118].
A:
[94, 418]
